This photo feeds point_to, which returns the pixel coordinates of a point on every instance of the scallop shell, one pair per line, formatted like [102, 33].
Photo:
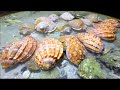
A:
[104, 34]
[50, 50]
[114, 22]
[106, 26]
[76, 24]
[26, 28]
[18, 51]
[92, 17]
[63, 26]
[67, 16]
[54, 17]
[75, 51]
[44, 24]
[91, 42]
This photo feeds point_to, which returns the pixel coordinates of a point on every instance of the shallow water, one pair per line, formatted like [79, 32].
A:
[9, 32]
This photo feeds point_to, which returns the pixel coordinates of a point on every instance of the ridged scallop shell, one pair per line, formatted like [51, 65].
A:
[91, 42]
[54, 17]
[114, 22]
[44, 24]
[63, 26]
[105, 29]
[67, 16]
[76, 24]
[103, 33]
[75, 51]
[106, 25]
[92, 17]
[18, 51]
[50, 50]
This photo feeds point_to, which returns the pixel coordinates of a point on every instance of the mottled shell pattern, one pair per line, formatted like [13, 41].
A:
[44, 24]
[91, 42]
[63, 26]
[50, 50]
[75, 51]
[18, 51]
[77, 24]
[105, 29]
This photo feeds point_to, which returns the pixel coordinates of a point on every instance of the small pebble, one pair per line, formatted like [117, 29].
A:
[26, 74]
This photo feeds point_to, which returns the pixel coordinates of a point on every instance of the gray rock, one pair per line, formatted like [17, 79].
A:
[68, 70]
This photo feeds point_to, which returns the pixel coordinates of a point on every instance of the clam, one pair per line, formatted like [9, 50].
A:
[92, 17]
[91, 42]
[54, 17]
[67, 16]
[18, 51]
[63, 26]
[77, 24]
[114, 22]
[26, 28]
[50, 50]
[75, 50]
[44, 25]
[105, 29]
[103, 33]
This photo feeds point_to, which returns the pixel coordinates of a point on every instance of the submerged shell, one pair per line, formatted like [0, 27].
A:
[49, 51]
[44, 24]
[67, 16]
[76, 24]
[106, 26]
[18, 51]
[103, 33]
[90, 69]
[63, 26]
[114, 22]
[54, 17]
[75, 51]
[105, 29]
[92, 17]
[26, 28]
[91, 42]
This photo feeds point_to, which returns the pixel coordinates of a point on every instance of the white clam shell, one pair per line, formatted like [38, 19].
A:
[53, 17]
[67, 16]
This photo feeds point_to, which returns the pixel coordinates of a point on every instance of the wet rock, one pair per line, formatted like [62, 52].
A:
[112, 58]
[51, 74]
[90, 69]
[31, 65]
[68, 70]
[117, 43]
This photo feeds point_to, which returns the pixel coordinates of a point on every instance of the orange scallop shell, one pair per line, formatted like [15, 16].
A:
[91, 42]
[50, 50]
[18, 51]
[75, 51]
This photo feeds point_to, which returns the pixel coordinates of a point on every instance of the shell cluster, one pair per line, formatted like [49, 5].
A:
[48, 51]
[105, 29]
[44, 24]
[18, 51]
